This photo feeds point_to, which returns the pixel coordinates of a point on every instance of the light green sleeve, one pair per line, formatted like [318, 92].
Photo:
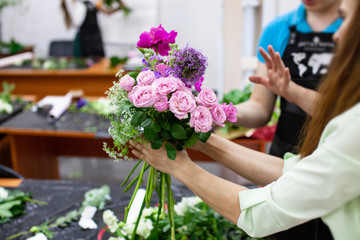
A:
[310, 188]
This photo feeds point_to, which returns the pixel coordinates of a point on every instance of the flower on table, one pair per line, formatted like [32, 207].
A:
[3, 193]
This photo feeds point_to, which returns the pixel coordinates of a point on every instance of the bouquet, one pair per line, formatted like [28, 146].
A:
[163, 103]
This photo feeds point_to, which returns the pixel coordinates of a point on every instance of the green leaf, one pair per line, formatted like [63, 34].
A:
[133, 74]
[166, 126]
[146, 123]
[156, 127]
[204, 136]
[192, 140]
[170, 150]
[135, 121]
[156, 144]
[149, 133]
[178, 131]
[165, 135]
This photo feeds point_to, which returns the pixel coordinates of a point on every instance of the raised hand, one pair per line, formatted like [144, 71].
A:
[279, 79]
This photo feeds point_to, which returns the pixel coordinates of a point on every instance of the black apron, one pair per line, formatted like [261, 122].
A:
[89, 35]
[307, 56]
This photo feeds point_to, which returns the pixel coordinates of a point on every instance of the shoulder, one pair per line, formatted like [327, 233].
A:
[344, 128]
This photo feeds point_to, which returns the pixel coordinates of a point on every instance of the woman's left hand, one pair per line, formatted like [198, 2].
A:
[158, 158]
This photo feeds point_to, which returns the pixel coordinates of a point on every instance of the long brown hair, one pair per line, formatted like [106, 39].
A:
[67, 17]
[339, 90]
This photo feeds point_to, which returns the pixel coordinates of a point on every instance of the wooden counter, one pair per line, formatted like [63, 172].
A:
[94, 81]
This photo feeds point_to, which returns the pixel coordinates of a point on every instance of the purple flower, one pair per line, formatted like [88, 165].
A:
[198, 84]
[157, 39]
[189, 65]
[81, 102]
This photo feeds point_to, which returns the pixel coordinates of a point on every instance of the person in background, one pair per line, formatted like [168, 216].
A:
[300, 48]
[88, 40]
[303, 39]
[319, 182]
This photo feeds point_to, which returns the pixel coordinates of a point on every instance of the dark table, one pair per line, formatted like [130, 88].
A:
[64, 196]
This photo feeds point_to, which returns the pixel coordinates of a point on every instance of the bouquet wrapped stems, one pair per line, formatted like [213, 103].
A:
[164, 192]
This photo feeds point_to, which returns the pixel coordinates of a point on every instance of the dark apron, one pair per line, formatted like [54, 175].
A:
[88, 41]
[307, 56]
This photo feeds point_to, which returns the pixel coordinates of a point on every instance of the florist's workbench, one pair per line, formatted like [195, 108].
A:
[94, 81]
[64, 196]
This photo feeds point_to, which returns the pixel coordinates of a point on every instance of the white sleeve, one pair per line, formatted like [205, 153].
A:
[317, 185]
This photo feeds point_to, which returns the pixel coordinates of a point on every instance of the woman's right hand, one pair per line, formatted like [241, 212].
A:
[158, 158]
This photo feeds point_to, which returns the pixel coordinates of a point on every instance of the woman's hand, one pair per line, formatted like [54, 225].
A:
[279, 79]
[158, 158]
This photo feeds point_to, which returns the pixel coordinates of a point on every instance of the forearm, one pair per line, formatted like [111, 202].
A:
[303, 97]
[251, 115]
[257, 167]
[219, 194]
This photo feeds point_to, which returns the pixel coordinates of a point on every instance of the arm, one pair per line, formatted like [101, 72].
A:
[278, 80]
[219, 194]
[256, 112]
[257, 167]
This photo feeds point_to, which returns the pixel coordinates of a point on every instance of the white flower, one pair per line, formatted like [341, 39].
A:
[5, 107]
[110, 220]
[3, 193]
[149, 211]
[143, 230]
[186, 203]
[118, 238]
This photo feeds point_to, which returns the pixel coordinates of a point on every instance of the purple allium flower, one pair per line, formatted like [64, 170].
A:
[157, 39]
[189, 65]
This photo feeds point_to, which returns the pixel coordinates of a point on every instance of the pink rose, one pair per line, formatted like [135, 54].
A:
[206, 97]
[201, 119]
[144, 96]
[127, 82]
[165, 85]
[161, 102]
[131, 93]
[218, 115]
[230, 111]
[146, 78]
[181, 103]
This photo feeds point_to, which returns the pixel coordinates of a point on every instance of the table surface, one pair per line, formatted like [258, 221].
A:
[70, 123]
[63, 196]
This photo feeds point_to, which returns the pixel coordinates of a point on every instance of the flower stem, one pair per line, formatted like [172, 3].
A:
[138, 220]
[162, 197]
[140, 180]
[131, 172]
[149, 187]
[170, 201]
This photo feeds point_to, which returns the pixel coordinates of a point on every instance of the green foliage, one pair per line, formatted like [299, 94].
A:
[12, 46]
[95, 197]
[14, 204]
[5, 3]
[237, 96]
[115, 60]
[5, 95]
